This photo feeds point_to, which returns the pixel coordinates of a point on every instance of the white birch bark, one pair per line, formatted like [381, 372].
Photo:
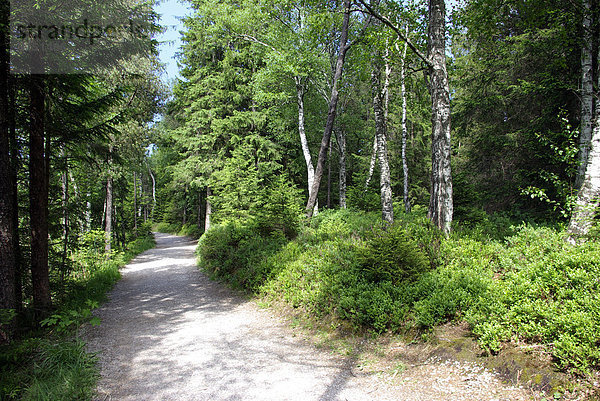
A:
[587, 92]
[405, 187]
[588, 197]
[341, 140]
[440, 203]
[372, 163]
[387, 207]
[153, 192]
[300, 91]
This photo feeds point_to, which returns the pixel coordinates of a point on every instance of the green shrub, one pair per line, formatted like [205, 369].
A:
[530, 287]
[191, 230]
[550, 297]
[389, 255]
[168, 228]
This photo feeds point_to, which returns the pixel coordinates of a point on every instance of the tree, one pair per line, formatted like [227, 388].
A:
[587, 92]
[8, 209]
[441, 201]
[380, 93]
[344, 46]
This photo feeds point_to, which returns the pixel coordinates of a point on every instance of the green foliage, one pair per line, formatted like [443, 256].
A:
[530, 287]
[548, 295]
[169, 228]
[389, 255]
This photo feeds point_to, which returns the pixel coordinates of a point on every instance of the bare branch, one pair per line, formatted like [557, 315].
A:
[255, 40]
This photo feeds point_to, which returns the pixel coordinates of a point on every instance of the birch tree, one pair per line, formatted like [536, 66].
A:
[441, 207]
[380, 93]
[344, 46]
[587, 89]
[588, 196]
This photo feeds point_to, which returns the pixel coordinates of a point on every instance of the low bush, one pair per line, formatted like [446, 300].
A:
[389, 255]
[528, 287]
[548, 294]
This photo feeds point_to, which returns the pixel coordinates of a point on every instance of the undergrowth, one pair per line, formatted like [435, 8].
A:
[526, 286]
[50, 362]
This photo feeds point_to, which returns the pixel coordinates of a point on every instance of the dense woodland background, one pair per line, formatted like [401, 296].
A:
[395, 164]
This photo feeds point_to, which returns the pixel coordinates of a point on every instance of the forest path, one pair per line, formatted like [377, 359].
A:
[170, 333]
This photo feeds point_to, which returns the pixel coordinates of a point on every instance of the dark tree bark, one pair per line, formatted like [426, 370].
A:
[38, 198]
[440, 203]
[8, 256]
[339, 66]
[14, 167]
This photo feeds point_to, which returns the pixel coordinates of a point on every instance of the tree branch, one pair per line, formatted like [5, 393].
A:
[398, 31]
[255, 40]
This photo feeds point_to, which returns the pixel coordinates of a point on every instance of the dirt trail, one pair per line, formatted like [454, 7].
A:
[170, 333]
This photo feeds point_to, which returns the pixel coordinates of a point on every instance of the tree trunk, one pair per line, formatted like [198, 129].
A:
[14, 167]
[8, 256]
[387, 206]
[588, 196]
[38, 199]
[208, 209]
[109, 207]
[153, 193]
[329, 176]
[440, 203]
[341, 139]
[300, 91]
[372, 163]
[135, 203]
[587, 92]
[65, 212]
[200, 217]
[313, 193]
[404, 128]
[184, 217]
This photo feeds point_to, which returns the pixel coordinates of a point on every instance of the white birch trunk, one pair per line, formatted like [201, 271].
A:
[440, 203]
[153, 192]
[587, 92]
[405, 191]
[387, 207]
[588, 197]
[372, 163]
[341, 139]
[300, 91]
[589, 193]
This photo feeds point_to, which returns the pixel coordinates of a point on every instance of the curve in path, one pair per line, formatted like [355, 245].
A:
[170, 333]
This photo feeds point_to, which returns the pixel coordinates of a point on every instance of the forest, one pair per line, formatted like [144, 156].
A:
[391, 165]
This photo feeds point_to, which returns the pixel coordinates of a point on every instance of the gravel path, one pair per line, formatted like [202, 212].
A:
[170, 333]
